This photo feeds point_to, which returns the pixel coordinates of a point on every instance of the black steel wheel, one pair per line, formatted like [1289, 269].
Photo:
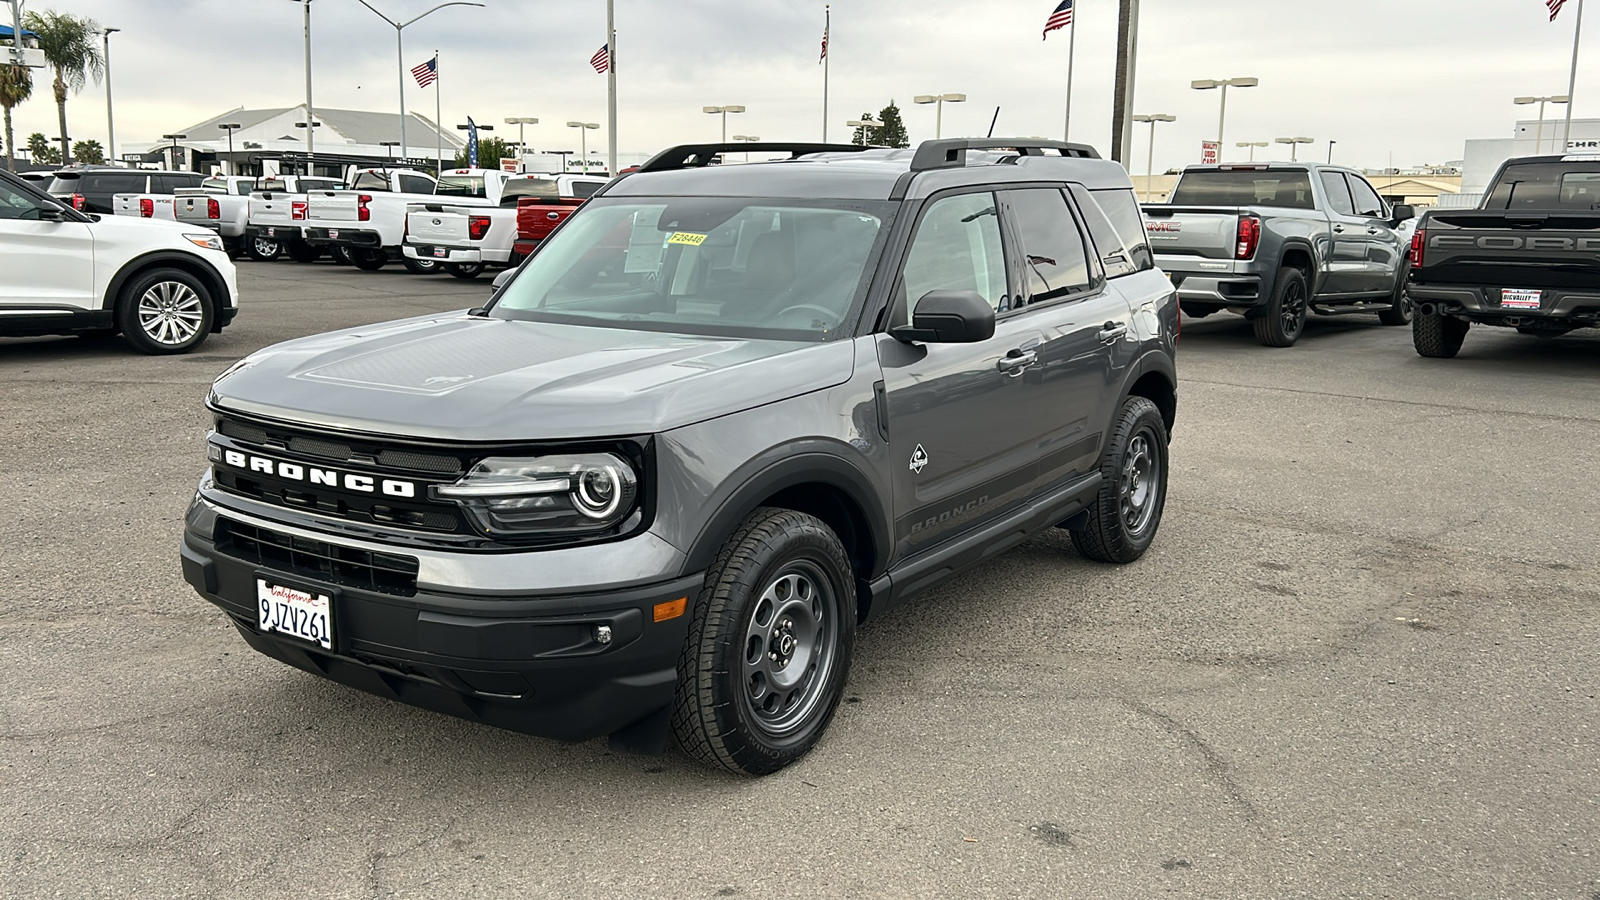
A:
[1133, 487]
[1281, 323]
[769, 646]
[1401, 311]
[165, 311]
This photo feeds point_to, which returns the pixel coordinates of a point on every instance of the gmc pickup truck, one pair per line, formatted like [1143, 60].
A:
[1527, 258]
[1275, 241]
[368, 221]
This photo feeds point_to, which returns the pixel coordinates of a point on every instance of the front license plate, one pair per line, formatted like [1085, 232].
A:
[299, 614]
[441, 252]
[333, 234]
[272, 232]
[1512, 298]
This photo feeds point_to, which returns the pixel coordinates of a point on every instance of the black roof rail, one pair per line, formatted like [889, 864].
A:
[695, 156]
[951, 153]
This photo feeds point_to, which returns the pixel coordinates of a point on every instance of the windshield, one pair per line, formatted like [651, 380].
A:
[737, 267]
[461, 186]
[1245, 187]
[1547, 186]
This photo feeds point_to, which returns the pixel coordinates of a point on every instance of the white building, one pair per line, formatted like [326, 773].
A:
[1484, 155]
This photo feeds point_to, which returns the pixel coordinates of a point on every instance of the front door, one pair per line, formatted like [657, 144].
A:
[46, 264]
[1383, 245]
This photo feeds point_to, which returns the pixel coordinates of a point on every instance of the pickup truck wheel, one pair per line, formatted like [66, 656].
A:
[340, 254]
[368, 260]
[1402, 311]
[1133, 487]
[421, 266]
[465, 271]
[262, 249]
[769, 645]
[164, 311]
[1438, 337]
[302, 252]
[1284, 319]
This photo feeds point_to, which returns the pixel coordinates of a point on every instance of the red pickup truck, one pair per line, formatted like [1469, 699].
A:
[544, 203]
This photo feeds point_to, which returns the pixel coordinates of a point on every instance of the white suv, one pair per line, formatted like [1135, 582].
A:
[165, 286]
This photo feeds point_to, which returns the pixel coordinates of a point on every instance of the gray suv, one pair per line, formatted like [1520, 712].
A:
[725, 415]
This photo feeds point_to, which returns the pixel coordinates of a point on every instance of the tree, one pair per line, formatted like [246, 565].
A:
[71, 46]
[892, 133]
[490, 151]
[89, 152]
[866, 135]
[40, 150]
[16, 85]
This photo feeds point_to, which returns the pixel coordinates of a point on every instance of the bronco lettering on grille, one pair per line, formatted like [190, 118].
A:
[288, 471]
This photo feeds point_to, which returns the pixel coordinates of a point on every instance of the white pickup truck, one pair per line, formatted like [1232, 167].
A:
[467, 238]
[368, 220]
[157, 204]
[277, 216]
[221, 204]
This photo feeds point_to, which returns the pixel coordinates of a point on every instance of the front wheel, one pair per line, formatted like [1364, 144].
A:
[421, 266]
[262, 249]
[465, 271]
[1284, 319]
[1438, 337]
[368, 260]
[165, 311]
[1133, 487]
[769, 646]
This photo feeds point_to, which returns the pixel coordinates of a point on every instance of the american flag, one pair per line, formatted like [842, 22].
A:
[1062, 17]
[824, 47]
[1555, 7]
[601, 59]
[427, 73]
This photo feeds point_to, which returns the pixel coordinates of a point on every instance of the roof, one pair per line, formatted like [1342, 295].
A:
[354, 125]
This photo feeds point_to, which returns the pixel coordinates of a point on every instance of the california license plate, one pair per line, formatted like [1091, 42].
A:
[299, 614]
[441, 252]
[1512, 298]
[333, 234]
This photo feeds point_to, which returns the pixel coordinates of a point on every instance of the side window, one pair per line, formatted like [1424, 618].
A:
[368, 181]
[583, 190]
[1122, 208]
[415, 184]
[1338, 193]
[166, 184]
[1368, 203]
[1108, 245]
[1054, 262]
[957, 248]
[15, 204]
[117, 184]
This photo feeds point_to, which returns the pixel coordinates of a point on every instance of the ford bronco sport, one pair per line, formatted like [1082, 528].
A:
[723, 416]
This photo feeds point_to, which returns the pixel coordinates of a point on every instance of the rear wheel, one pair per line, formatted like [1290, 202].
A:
[1401, 311]
[165, 311]
[1437, 336]
[302, 252]
[421, 266]
[1133, 487]
[1282, 322]
[368, 260]
[262, 249]
[340, 254]
[465, 271]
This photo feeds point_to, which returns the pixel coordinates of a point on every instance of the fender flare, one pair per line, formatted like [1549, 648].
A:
[189, 262]
[1158, 362]
[1312, 277]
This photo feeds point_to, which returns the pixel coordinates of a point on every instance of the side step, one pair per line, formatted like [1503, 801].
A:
[1345, 309]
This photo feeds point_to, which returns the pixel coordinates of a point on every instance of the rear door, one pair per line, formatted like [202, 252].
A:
[48, 264]
[1346, 271]
[1384, 250]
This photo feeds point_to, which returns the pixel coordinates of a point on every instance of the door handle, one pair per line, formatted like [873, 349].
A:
[1338, 229]
[1014, 362]
[1113, 331]
[1371, 230]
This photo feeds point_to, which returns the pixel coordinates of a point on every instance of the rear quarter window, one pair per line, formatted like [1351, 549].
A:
[1114, 255]
[1122, 209]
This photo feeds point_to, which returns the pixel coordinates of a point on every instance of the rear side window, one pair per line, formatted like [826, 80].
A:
[1055, 264]
[583, 190]
[1114, 257]
[416, 184]
[1338, 193]
[1122, 208]
[166, 184]
[458, 186]
[113, 183]
[1245, 187]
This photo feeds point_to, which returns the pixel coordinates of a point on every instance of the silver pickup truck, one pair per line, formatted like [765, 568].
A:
[1274, 242]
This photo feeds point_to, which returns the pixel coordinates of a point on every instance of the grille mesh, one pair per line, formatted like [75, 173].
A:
[386, 573]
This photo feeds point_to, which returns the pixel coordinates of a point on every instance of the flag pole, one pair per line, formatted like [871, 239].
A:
[1572, 78]
[438, 121]
[611, 79]
[827, 28]
[1072, 37]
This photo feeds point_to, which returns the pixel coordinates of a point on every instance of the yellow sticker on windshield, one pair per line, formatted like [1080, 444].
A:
[686, 237]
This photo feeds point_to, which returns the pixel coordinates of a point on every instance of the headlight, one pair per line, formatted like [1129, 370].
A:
[207, 241]
[571, 494]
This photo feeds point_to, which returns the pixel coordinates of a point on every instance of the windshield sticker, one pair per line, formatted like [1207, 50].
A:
[688, 238]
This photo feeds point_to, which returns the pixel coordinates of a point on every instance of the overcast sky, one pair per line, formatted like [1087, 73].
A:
[1411, 78]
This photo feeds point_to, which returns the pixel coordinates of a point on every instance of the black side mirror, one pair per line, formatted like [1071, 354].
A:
[949, 317]
[500, 281]
[1401, 212]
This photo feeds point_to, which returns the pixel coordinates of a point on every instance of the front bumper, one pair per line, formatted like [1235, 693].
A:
[1483, 304]
[530, 663]
[351, 237]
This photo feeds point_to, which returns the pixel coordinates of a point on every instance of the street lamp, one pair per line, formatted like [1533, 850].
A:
[1149, 163]
[400, 47]
[174, 138]
[583, 137]
[939, 100]
[1331, 142]
[1538, 145]
[1294, 146]
[1253, 145]
[522, 122]
[230, 128]
[1207, 84]
[311, 116]
[749, 138]
[719, 110]
[389, 151]
[111, 128]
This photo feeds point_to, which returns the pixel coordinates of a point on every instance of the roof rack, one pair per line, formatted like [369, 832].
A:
[696, 156]
[951, 153]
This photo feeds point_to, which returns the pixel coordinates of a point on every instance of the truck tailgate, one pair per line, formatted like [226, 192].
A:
[1494, 248]
[1189, 231]
[196, 208]
[537, 217]
[446, 227]
[274, 208]
[333, 206]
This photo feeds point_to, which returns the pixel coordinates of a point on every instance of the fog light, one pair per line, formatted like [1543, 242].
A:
[602, 634]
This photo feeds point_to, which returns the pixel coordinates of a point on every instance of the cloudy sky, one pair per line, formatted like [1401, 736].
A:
[1406, 80]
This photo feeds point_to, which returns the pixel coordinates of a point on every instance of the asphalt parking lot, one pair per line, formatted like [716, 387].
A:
[1358, 661]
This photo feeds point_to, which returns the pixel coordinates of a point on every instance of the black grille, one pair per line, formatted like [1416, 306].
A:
[340, 449]
[386, 573]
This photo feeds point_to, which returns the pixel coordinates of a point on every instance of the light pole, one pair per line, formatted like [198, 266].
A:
[583, 137]
[1252, 145]
[1331, 142]
[389, 149]
[1294, 146]
[1150, 159]
[522, 122]
[111, 127]
[939, 100]
[748, 138]
[174, 138]
[400, 49]
[311, 116]
[563, 154]
[719, 110]
[1207, 84]
[230, 128]
[1538, 145]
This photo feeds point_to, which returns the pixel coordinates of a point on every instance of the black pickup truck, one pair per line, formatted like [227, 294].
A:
[1527, 258]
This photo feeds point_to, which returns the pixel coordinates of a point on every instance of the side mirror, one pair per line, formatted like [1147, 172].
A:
[51, 214]
[949, 317]
[500, 281]
[1401, 212]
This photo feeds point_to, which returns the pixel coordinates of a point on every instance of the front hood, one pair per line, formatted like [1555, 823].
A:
[470, 379]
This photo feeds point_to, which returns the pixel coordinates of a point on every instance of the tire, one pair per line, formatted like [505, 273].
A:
[1438, 337]
[340, 254]
[465, 271]
[1402, 311]
[780, 567]
[422, 266]
[165, 311]
[368, 260]
[262, 249]
[1133, 487]
[1284, 319]
[302, 252]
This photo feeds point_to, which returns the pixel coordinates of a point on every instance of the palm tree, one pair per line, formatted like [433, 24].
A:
[71, 46]
[16, 85]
